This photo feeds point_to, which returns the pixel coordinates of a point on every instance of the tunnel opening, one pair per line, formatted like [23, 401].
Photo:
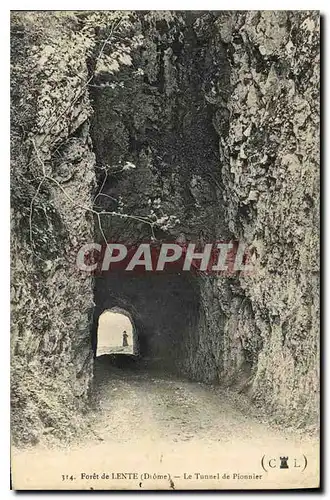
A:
[163, 311]
[116, 334]
[115, 341]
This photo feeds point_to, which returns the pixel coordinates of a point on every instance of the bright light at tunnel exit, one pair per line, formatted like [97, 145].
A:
[110, 334]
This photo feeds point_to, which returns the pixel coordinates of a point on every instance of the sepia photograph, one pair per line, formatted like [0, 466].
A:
[165, 250]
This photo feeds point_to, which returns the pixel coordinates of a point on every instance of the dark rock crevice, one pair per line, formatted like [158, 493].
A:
[173, 141]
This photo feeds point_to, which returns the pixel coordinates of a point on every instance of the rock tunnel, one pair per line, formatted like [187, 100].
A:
[164, 309]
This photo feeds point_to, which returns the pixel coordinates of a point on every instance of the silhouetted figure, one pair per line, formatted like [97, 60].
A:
[125, 337]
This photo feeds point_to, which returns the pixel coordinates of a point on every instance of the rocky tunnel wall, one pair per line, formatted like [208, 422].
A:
[52, 181]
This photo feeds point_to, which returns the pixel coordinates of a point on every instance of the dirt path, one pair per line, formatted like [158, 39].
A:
[173, 434]
[137, 405]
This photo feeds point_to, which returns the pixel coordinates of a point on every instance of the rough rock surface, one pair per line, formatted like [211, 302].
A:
[51, 302]
[271, 181]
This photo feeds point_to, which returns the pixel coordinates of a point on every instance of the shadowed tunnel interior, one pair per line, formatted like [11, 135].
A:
[163, 309]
